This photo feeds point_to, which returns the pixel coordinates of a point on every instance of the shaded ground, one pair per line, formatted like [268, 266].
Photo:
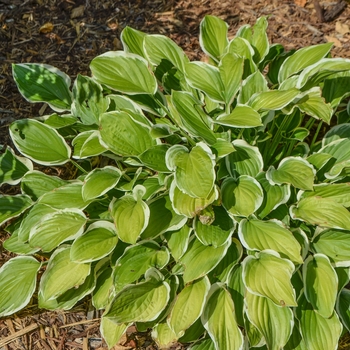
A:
[68, 34]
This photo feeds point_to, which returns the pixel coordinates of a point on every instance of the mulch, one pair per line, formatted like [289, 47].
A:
[68, 34]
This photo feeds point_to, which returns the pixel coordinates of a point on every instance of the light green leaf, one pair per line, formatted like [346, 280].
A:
[303, 58]
[241, 117]
[274, 195]
[160, 47]
[183, 204]
[123, 135]
[213, 36]
[142, 302]
[13, 167]
[58, 121]
[17, 283]
[104, 290]
[62, 274]
[12, 206]
[36, 183]
[206, 344]
[260, 235]
[124, 72]
[245, 160]
[162, 218]
[335, 244]
[274, 322]
[296, 341]
[88, 101]
[319, 333]
[43, 83]
[273, 99]
[252, 85]
[188, 306]
[343, 307]
[200, 259]
[253, 335]
[193, 170]
[321, 284]
[97, 242]
[39, 142]
[216, 233]
[292, 170]
[268, 275]
[14, 245]
[340, 131]
[154, 158]
[163, 336]
[136, 260]
[178, 241]
[193, 119]
[219, 320]
[241, 197]
[100, 181]
[87, 144]
[66, 196]
[260, 41]
[111, 331]
[205, 77]
[130, 215]
[237, 290]
[132, 40]
[323, 212]
[55, 228]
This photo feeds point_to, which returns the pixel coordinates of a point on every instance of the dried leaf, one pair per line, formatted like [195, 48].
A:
[342, 28]
[300, 3]
[77, 12]
[46, 28]
[332, 39]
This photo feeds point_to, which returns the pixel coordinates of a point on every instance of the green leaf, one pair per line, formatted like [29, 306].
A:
[132, 40]
[14, 245]
[292, 170]
[163, 336]
[335, 244]
[275, 323]
[58, 121]
[268, 275]
[124, 72]
[43, 83]
[98, 241]
[104, 290]
[136, 260]
[123, 135]
[260, 235]
[206, 344]
[241, 117]
[323, 212]
[178, 241]
[188, 306]
[213, 36]
[62, 274]
[341, 131]
[273, 99]
[87, 144]
[55, 228]
[100, 181]
[18, 282]
[193, 170]
[216, 233]
[111, 331]
[237, 290]
[259, 40]
[303, 58]
[274, 195]
[205, 77]
[193, 119]
[252, 85]
[162, 218]
[296, 341]
[13, 167]
[66, 196]
[245, 160]
[39, 142]
[36, 183]
[321, 284]
[142, 302]
[88, 101]
[159, 48]
[200, 259]
[12, 206]
[130, 215]
[218, 319]
[319, 333]
[154, 158]
[241, 197]
[343, 307]
[184, 204]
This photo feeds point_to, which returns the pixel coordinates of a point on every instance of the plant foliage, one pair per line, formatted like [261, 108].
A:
[207, 203]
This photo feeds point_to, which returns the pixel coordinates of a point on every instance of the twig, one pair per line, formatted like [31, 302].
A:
[81, 322]
[18, 334]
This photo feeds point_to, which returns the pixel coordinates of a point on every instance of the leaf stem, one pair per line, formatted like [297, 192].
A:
[78, 166]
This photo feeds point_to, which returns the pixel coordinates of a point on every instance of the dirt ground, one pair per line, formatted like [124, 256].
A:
[69, 34]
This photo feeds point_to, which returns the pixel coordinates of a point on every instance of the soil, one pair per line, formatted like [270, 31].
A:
[69, 34]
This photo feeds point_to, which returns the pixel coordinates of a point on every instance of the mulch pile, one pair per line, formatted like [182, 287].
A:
[68, 34]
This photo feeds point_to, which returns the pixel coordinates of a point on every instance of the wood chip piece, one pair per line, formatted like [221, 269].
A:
[18, 334]
[77, 12]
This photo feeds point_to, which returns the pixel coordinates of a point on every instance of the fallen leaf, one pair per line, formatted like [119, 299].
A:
[300, 3]
[332, 39]
[46, 28]
[77, 12]
[342, 28]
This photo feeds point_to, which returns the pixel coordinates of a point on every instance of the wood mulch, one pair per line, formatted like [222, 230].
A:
[69, 34]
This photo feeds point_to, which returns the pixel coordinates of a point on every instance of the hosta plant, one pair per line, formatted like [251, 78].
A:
[206, 201]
